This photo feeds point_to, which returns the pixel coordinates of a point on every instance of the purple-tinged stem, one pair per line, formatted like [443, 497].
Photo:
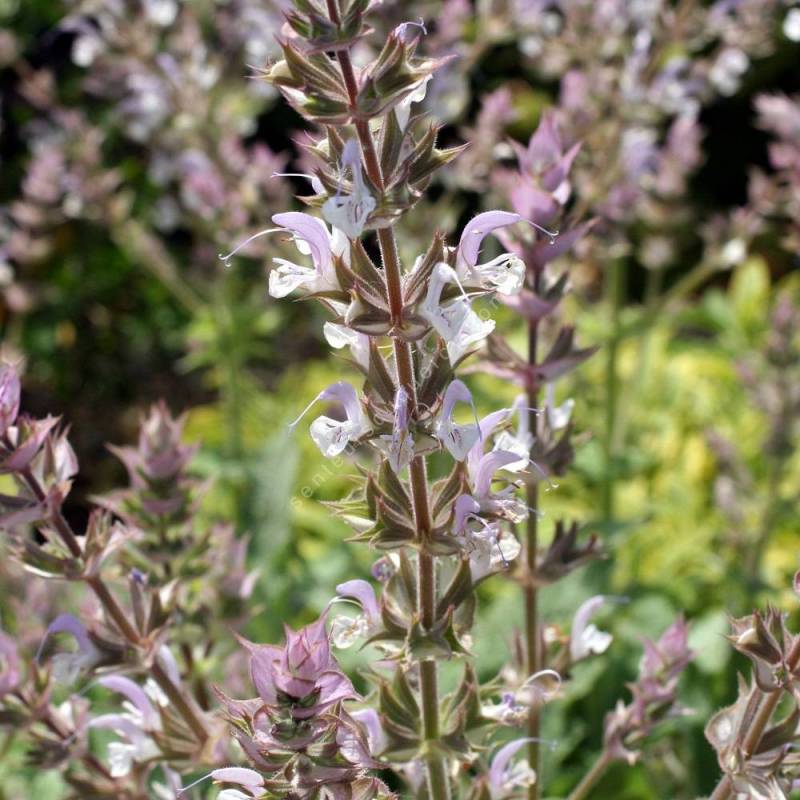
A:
[597, 771]
[532, 633]
[437, 778]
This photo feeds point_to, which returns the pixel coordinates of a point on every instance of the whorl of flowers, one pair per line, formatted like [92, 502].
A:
[297, 732]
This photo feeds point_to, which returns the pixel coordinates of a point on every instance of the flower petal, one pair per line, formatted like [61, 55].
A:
[478, 228]
[310, 231]
[363, 592]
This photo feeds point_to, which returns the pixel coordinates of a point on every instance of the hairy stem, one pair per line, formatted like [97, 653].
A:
[532, 634]
[591, 777]
[436, 767]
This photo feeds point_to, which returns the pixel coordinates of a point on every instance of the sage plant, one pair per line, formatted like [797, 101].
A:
[444, 537]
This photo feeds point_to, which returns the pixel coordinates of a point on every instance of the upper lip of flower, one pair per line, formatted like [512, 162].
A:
[458, 439]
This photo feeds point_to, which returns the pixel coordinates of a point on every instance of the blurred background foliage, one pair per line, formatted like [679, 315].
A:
[697, 510]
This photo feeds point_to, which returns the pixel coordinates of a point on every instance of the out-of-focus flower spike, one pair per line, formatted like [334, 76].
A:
[533, 203]
[551, 235]
[376, 736]
[543, 253]
[528, 305]
[35, 434]
[545, 145]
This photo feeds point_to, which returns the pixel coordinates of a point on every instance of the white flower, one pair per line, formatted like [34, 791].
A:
[521, 440]
[349, 213]
[727, 71]
[288, 277]
[403, 108]
[457, 439]
[586, 639]
[332, 435]
[491, 549]
[339, 336]
[69, 666]
[345, 630]
[505, 273]
[122, 755]
[455, 322]
[505, 777]
[557, 416]
[481, 474]
[161, 12]
[733, 252]
[791, 25]
[471, 330]
[134, 726]
[85, 49]
[311, 236]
